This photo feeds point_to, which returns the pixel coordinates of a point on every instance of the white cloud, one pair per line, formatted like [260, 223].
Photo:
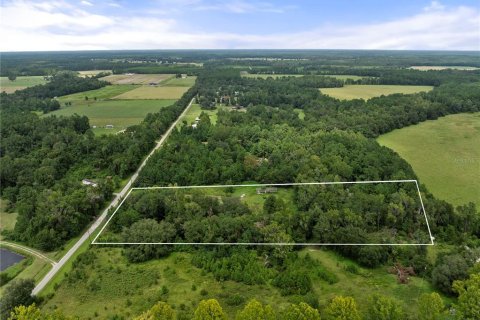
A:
[86, 3]
[57, 25]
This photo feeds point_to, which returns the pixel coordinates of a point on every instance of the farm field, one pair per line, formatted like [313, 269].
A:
[136, 78]
[119, 113]
[357, 91]
[153, 92]
[444, 154]
[88, 73]
[111, 285]
[103, 93]
[20, 83]
[426, 68]
[180, 82]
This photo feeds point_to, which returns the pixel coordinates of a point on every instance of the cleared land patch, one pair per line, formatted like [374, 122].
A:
[7, 219]
[103, 93]
[132, 288]
[195, 111]
[265, 76]
[153, 92]
[136, 78]
[20, 83]
[357, 91]
[444, 153]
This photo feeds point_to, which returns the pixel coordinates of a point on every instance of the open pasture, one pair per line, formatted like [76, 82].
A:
[357, 91]
[103, 93]
[444, 154]
[20, 83]
[180, 82]
[119, 113]
[136, 78]
[265, 76]
[153, 92]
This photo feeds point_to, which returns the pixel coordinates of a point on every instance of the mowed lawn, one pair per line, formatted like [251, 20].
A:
[136, 78]
[20, 83]
[119, 113]
[154, 92]
[357, 91]
[445, 154]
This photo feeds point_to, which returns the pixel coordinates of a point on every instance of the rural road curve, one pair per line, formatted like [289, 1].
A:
[33, 252]
[56, 267]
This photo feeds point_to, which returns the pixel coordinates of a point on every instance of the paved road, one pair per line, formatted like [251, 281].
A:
[104, 214]
[28, 250]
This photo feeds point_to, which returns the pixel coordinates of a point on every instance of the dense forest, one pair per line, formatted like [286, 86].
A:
[44, 160]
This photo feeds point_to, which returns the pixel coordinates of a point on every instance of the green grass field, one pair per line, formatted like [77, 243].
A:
[103, 93]
[195, 111]
[119, 113]
[358, 91]
[20, 83]
[153, 92]
[113, 286]
[444, 153]
[180, 82]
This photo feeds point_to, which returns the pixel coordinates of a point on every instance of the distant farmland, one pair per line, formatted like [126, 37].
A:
[153, 92]
[349, 92]
[20, 83]
[136, 78]
[426, 68]
[444, 153]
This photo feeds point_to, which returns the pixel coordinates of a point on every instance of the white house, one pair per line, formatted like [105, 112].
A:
[87, 182]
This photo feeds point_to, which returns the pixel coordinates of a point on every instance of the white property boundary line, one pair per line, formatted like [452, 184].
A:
[270, 243]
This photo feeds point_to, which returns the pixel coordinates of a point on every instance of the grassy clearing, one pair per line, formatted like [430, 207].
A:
[119, 113]
[195, 111]
[426, 68]
[20, 83]
[113, 286]
[358, 91]
[153, 92]
[180, 82]
[136, 78]
[89, 73]
[444, 154]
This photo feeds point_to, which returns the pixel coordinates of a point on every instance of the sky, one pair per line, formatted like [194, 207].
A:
[51, 25]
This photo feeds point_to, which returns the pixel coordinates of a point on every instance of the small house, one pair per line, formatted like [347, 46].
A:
[87, 182]
[109, 126]
[194, 126]
[197, 119]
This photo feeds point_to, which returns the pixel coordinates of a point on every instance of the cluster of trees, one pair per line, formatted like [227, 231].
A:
[44, 160]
